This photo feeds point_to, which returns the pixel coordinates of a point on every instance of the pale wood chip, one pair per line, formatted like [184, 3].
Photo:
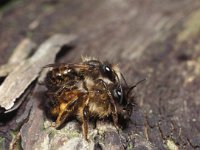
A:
[20, 53]
[27, 71]
[7, 68]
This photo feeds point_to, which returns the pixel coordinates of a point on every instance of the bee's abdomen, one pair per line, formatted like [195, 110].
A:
[60, 76]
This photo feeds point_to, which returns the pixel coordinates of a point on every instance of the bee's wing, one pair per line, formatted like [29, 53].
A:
[75, 66]
[55, 65]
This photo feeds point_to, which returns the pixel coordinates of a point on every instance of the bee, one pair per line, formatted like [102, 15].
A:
[66, 75]
[89, 89]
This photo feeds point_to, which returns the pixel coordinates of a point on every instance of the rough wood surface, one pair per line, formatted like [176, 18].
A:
[147, 38]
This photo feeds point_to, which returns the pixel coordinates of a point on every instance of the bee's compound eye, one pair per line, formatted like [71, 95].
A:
[107, 69]
[108, 72]
[118, 95]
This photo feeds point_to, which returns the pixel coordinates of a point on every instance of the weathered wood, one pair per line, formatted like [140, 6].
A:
[20, 53]
[27, 71]
[154, 39]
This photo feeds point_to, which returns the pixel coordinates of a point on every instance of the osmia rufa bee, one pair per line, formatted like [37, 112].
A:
[87, 90]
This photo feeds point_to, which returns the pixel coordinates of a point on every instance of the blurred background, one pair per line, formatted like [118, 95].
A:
[153, 39]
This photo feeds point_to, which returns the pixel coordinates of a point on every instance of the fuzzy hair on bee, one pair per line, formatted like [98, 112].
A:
[87, 90]
[92, 68]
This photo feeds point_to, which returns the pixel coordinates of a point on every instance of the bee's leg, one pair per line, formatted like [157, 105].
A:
[63, 87]
[111, 100]
[100, 81]
[115, 121]
[85, 120]
[65, 111]
[63, 115]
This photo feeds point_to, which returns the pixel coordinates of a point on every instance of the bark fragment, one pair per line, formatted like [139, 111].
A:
[28, 70]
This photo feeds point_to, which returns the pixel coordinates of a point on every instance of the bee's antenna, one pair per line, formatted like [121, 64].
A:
[131, 88]
[124, 79]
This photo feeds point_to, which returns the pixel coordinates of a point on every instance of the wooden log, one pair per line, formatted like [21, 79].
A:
[151, 38]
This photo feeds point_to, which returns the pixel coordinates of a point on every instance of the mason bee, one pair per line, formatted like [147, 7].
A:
[87, 90]
[66, 75]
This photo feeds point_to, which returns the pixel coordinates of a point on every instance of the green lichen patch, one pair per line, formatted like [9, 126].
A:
[171, 145]
[2, 140]
[191, 27]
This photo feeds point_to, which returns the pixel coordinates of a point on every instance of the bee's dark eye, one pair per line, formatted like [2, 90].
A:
[118, 95]
[107, 69]
[108, 72]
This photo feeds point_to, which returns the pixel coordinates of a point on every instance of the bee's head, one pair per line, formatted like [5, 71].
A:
[106, 70]
[110, 71]
[124, 99]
